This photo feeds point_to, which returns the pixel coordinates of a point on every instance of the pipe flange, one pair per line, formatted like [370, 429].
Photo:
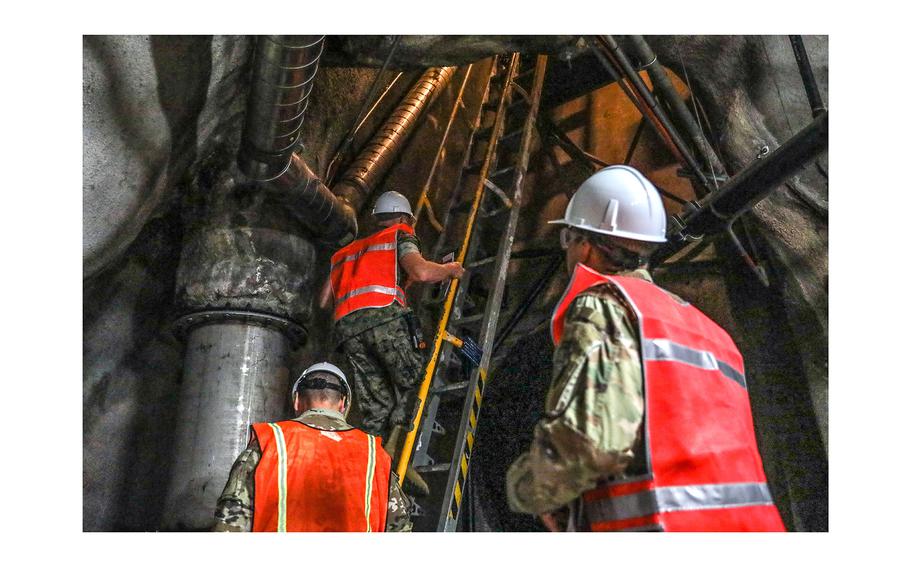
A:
[293, 331]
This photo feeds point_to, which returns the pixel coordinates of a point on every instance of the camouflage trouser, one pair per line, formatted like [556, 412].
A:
[387, 372]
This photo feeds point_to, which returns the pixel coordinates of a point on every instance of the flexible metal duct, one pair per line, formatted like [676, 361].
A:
[377, 157]
[284, 69]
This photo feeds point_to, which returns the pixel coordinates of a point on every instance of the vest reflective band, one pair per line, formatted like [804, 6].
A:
[315, 480]
[365, 272]
[704, 469]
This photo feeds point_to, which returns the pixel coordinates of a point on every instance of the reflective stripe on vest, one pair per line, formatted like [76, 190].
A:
[677, 498]
[397, 292]
[355, 256]
[282, 477]
[371, 470]
[666, 350]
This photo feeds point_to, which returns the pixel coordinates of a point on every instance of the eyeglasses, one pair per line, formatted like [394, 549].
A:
[566, 238]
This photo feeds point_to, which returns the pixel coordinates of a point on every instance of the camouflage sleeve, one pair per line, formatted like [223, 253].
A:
[407, 244]
[593, 410]
[397, 519]
[234, 511]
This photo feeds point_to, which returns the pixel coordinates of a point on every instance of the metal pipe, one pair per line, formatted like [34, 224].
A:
[664, 87]
[805, 71]
[283, 71]
[308, 199]
[645, 94]
[377, 157]
[234, 374]
[717, 210]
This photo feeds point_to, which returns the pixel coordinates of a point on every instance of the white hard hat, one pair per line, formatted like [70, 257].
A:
[618, 201]
[325, 368]
[392, 202]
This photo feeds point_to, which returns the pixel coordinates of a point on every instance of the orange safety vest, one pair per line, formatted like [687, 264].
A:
[704, 472]
[365, 272]
[312, 480]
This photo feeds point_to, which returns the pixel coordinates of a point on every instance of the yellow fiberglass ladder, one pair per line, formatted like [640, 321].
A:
[496, 161]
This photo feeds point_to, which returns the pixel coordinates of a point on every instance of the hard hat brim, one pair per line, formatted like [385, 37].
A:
[622, 234]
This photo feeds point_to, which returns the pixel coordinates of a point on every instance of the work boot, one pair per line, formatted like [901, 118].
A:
[415, 483]
[392, 442]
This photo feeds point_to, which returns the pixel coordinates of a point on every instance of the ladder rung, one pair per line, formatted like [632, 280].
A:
[501, 171]
[474, 169]
[525, 73]
[468, 320]
[494, 212]
[450, 388]
[483, 133]
[435, 468]
[481, 262]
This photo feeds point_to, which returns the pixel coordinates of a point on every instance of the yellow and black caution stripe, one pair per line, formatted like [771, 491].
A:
[465, 458]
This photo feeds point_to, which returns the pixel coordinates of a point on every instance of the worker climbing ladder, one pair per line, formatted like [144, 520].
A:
[453, 384]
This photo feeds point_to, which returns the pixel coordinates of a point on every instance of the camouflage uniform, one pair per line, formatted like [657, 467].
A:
[234, 511]
[593, 410]
[387, 368]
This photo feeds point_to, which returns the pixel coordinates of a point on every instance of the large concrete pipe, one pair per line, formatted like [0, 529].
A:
[235, 373]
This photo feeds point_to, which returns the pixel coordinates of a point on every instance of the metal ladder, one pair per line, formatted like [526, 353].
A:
[452, 392]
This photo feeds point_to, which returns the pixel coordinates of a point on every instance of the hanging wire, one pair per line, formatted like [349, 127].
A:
[362, 115]
[695, 108]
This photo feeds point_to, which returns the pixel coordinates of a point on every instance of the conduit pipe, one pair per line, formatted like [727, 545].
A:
[664, 87]
[284, 69]
[716, 211]
[362, 176]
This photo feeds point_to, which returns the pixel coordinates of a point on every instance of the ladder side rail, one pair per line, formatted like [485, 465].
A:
[464, 441]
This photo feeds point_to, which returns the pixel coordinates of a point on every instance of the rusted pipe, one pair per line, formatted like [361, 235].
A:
[374, 161]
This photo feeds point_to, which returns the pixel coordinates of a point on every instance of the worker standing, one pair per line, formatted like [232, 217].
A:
[373, 324]
[315, 472]
[647, 423]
